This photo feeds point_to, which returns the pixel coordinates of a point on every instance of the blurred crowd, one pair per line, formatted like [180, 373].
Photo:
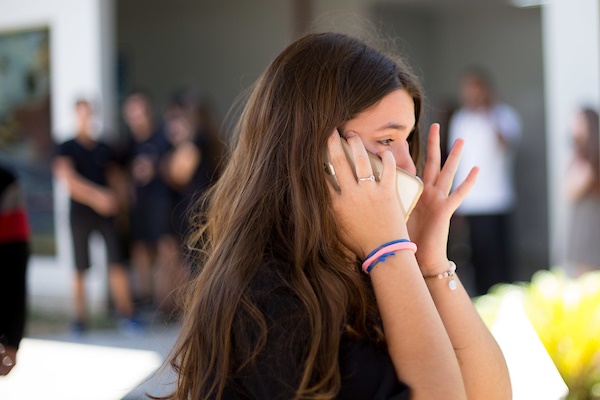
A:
[138, 194]
[140, 191]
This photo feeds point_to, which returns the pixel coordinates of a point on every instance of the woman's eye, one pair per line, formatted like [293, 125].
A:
[386, 142]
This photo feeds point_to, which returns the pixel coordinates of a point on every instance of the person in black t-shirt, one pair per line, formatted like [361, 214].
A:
[284, 307]
[191, 161]
[154, 246]
[190, 164]
[87, 166]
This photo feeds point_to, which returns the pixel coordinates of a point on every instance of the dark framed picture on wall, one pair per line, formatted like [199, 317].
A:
[26, 145]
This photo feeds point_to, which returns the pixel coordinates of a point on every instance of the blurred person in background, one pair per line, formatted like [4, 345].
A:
[14, 254]
[583, 191]
[190, 170]
[210, 132]
[154, 246]
[192, 162]
[90, 171]
[491, 131]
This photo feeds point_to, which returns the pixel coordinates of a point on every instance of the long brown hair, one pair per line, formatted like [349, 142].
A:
[272, 201]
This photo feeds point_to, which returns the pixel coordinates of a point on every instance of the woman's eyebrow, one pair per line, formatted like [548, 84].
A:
[392, 125]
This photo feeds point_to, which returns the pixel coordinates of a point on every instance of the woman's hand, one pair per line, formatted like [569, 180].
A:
[430, 221]
[368, 212]
[105, 203]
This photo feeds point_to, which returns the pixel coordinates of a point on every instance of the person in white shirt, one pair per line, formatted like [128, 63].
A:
[491, 131]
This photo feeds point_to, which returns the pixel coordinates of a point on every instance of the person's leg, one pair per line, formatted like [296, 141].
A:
[80, 230]
[141, 259]
[118, 278]
[505, 244]
[488, 251]
[127, 321]
[119, 290]
[79, 298]
[170, 274]
[142, 250]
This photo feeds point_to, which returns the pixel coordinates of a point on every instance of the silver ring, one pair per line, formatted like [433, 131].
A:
[7, 361]
[369, 178]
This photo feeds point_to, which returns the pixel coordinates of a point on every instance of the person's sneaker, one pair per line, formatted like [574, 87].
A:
[131, 326]
[78, 328]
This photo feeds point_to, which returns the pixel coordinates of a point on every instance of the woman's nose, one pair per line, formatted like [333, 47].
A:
[403, 158]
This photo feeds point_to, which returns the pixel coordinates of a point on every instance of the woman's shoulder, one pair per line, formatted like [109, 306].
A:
[270, 341]
[272, 290]
[271, 274]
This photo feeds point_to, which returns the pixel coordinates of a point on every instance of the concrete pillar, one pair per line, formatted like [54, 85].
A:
[572, 79]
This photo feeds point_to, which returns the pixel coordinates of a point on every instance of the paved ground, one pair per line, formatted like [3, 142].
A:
[158, 337]
[533, 374]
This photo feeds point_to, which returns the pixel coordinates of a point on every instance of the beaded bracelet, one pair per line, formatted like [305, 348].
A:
[448, 274]
[386, 250]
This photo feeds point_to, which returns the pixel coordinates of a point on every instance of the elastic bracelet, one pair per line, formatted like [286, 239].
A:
[386, 250]
[447, 274]
[385, 245]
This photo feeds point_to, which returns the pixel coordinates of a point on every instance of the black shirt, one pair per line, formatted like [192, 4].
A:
[366, 369]
[153, 149]
[90, 162]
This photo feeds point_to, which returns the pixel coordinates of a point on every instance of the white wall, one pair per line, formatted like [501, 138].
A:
[216, 47]
[76, 39]
[572, 79]
[80, 56]
[346, 16]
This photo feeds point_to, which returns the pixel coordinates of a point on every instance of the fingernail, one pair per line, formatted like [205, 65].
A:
[350, 134]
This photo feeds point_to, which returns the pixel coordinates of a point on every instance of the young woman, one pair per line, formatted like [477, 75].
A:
[281, 308]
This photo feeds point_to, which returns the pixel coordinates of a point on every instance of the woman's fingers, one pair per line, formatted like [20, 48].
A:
[388, 175]
[441, 178]
[358, 158]
[434, 174]
[364, 171]
[459, 194]
[337, 157]
[353, 205]
[446, 177]
[432, 166]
